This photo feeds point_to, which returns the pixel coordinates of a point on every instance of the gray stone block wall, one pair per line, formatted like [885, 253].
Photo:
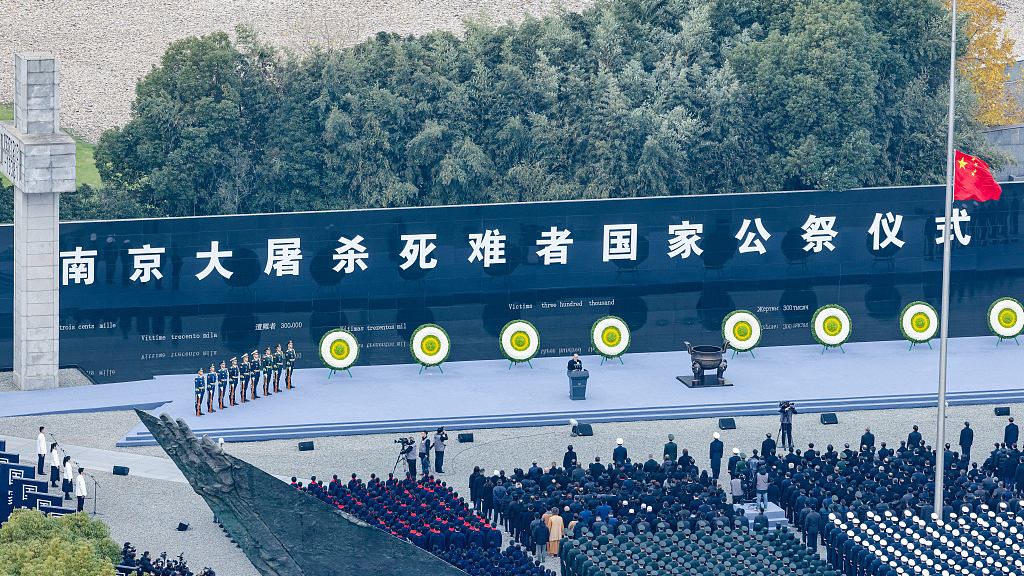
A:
[1010, 139]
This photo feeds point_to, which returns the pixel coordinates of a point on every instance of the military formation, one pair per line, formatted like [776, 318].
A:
[244, 376]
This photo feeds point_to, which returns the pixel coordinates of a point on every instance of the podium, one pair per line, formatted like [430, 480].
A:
[578, 384]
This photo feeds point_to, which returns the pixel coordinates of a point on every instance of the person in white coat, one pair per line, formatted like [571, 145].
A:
[41, 450]
[54, 465]
[68, 486]
[80, 491]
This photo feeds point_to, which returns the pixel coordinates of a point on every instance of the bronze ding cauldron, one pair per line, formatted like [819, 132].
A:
[707, 357]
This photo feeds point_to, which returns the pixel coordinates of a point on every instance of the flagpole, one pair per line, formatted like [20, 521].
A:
[940, 421]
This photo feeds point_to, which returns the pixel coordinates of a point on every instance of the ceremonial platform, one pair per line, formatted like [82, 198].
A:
[487, 394]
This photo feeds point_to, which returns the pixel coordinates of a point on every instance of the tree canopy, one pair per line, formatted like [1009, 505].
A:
[33, 544]
[627, 98]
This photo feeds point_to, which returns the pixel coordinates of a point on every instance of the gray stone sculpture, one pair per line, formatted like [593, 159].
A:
[284, 531]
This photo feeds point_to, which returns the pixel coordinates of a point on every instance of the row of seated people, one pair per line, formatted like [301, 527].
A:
[431, 515]
[888, 544]
[132, 563]
[708, 551]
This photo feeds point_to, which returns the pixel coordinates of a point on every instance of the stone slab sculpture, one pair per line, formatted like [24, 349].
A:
[284, 531]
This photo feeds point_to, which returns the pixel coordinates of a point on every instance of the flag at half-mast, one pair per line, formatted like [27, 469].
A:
[972, 179]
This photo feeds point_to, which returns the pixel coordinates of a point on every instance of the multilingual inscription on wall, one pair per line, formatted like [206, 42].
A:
[147, 297]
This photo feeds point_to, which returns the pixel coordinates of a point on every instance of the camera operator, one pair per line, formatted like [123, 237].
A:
[440, 437]
[786, 411]
[409, 452]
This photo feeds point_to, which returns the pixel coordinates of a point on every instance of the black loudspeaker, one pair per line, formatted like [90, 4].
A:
[1000, 411]
[305, 446]
[120, 470]
[584, 430]
[727, 423]
[182, 526]
[3, 446]
[466, 437]
[829, 418]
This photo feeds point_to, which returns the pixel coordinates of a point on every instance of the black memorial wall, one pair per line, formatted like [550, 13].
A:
[147, 297]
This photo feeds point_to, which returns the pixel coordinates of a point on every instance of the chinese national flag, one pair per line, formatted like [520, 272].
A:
[972, 179]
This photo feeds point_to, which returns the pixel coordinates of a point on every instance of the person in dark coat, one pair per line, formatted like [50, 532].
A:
[717, 451]
[768, 446]
[670, 447]
[619, 455]
[867, 439]
[914, 438]
[570, 458]
[966, 440]
[1010, 433]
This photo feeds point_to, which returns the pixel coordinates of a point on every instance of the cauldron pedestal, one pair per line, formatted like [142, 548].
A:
[710, 381]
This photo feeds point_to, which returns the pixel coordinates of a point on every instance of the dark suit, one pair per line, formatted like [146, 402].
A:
[966, 440]
[1010, 434]
[574, 365]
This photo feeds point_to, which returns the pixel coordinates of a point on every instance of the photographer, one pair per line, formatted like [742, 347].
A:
[786, 411]
[440, 437]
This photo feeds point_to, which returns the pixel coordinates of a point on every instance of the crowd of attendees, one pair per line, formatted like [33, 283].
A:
[871, 507]
[161, 565]
[431, 515]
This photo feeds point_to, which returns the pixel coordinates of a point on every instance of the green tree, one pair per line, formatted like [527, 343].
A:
[33, 544]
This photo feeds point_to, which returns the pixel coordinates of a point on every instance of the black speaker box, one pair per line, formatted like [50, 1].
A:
[829, 418]
[120, 470]
[305, 446]
[1000, 411]
[182, 526]
[466, 437]
[584, 430]
[3, 446]
[727, 423]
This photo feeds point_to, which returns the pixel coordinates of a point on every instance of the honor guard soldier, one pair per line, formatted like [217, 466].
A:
[243, 371]
[268, 369]
[278, 365]
[289, 364]
[233, 376]
[222, 383]
[254, 370]
[211, 385]
[200, 389]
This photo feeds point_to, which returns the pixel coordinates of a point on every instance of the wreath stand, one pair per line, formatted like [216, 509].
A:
[912, 344]
[823, 348]
[1000, 339]
[423, 366]
[513, 362]
[345, 369]
[603, 358]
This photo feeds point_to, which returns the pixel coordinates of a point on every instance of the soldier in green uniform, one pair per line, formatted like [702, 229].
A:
[222, 383]
[244, 370]
[233, 376]
[268, 369]
[254, 367]
[200, 388]
[211, 385]
[278, 365]
[289, 364]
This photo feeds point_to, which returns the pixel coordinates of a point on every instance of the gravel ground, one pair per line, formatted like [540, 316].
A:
[146, 512]
[105, 46]
[67, 378]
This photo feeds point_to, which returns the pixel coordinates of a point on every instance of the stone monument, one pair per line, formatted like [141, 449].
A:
[40, 160]
[282, 530]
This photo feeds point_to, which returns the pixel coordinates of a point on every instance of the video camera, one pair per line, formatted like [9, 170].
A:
[787, 406]
[405, 441]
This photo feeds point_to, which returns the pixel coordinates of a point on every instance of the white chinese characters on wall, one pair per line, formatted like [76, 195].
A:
[284, 256]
